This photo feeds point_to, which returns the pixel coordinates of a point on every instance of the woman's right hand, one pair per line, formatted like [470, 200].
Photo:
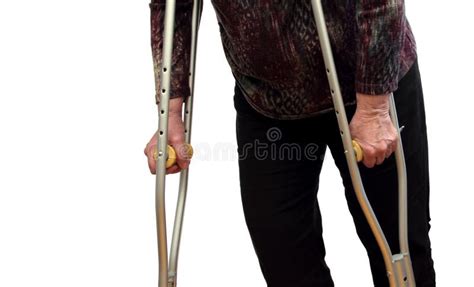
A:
[175, 139]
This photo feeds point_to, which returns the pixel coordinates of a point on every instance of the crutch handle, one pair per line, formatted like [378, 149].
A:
[359, 153]
[171, 160]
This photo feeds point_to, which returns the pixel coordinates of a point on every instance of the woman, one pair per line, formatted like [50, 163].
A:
[284, 105]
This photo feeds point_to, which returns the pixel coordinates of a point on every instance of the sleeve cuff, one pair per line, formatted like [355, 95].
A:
[376, 89]
[178, 88]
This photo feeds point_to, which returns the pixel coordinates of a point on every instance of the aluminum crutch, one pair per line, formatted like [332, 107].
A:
[398, 266]
[167, 273]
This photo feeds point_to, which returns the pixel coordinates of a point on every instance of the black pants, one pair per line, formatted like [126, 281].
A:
[280, 162]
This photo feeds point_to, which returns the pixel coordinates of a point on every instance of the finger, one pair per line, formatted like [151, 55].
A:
[372, 154]
[151, 161]
[379, 160]
[369, 162]
[393, 142]
[369, 154]
[173, 169]
[369, 159]
[382, 149]
[389, 151]
[182, 155]
[392, 147]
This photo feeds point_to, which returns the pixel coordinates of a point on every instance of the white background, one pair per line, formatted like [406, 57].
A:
[77, 108]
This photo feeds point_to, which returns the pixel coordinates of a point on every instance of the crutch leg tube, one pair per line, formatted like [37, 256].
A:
[167, 272]
[398, 266]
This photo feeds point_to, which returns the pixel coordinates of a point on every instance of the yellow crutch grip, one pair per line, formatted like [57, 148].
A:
[171, 160]
[359, 153]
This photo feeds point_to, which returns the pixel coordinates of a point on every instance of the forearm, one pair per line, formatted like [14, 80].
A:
[370, 105]
[175, 107]
[181, 46]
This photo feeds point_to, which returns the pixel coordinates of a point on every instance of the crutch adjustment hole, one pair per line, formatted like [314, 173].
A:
[163, 91]
[165, 69]
[405, 279]
[186, 131]
[337, 112]
[187, 111]
[342, 133]
[161, 133]
[162, 111]
[327, 70]
[332, 92]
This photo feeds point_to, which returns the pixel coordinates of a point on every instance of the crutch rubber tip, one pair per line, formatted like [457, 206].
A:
[359, 154]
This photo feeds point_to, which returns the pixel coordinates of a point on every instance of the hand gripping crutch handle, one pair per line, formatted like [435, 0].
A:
[172, 155]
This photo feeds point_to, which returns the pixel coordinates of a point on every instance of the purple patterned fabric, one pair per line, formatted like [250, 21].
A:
[273, 50]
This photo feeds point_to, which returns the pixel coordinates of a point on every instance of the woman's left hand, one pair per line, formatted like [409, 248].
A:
[373, 129]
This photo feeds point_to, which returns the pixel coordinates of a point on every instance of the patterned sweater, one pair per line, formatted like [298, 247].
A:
[273, 50]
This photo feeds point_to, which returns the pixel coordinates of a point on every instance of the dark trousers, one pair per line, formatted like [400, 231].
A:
[280, 162]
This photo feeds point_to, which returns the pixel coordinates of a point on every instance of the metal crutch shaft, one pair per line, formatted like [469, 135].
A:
[398, 266]
[167, 273]
[183, 179]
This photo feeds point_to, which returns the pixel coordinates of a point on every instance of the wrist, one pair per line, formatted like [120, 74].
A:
[175, 107]
[373, 104]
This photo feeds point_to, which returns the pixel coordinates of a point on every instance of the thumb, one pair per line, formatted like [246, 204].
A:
[149, 151]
